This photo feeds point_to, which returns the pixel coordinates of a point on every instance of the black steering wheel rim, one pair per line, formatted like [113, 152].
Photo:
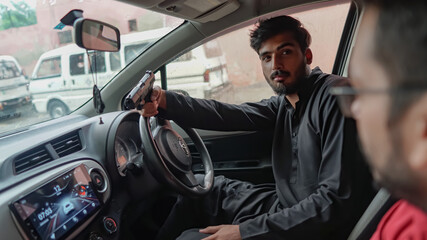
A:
[160, 165]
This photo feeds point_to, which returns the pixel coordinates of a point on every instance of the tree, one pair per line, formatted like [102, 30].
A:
[19, 16]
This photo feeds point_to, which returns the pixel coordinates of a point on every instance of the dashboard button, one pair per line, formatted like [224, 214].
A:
[110, 225]
[34, 234]
[95, 236]
[98, 180]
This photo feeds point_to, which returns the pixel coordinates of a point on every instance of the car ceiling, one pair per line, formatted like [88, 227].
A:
[190, 34]
[212, 10]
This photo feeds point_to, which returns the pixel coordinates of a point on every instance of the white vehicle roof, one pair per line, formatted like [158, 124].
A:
[126, 38]
[143, 36]
[10, 58]
[7, 57]
[71, 48]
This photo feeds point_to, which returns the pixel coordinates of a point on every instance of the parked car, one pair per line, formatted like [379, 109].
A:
[201, 72]
[105, 152]
[62, 80]
[14, 95]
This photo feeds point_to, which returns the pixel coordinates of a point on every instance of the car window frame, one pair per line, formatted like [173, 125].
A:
[341, 58]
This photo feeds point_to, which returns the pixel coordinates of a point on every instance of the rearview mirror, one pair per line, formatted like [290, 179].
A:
[96, 35]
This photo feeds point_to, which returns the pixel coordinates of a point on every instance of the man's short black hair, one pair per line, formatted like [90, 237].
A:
[269, 28]
[400, 46]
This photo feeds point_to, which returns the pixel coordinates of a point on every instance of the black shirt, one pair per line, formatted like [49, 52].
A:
[322, 182]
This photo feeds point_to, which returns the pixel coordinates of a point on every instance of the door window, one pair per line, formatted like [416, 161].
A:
[97, 62]
[132, 51]
[50, 68]
[229, 70]
[77, 64]
[115, 61]
[8, 70]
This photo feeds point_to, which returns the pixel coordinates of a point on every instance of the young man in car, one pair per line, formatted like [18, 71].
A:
[322, 185]
[388, 99]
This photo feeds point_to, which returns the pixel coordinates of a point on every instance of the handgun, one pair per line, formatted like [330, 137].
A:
[142, 91]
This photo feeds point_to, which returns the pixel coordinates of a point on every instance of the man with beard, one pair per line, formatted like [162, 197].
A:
[322, 185]
[388, 99]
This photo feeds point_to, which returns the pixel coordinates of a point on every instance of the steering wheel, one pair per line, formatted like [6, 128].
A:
[168, 158]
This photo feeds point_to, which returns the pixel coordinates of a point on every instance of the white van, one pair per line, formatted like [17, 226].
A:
[61, 80]
[133, 44]
[201, 72]
[14, 95]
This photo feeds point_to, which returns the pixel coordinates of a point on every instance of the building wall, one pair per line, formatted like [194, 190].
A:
[324, 24]
[41, 37]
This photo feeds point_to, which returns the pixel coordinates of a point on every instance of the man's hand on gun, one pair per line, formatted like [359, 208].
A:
[145, 97]
[158, 99]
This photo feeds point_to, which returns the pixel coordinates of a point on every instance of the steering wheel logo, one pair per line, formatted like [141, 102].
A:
[184, 146]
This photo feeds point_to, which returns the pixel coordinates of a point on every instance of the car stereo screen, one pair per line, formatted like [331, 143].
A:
[55, 208]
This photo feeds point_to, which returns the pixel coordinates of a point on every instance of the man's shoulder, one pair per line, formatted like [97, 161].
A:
[328, 80]
[404, 220]
[324, 81]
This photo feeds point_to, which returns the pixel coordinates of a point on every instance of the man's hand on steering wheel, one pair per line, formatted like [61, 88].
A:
[166, 153]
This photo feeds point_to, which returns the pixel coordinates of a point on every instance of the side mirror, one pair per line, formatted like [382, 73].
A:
[96, 35]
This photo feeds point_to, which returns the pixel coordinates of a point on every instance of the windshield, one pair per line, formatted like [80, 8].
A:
[8, 70]
[56, 75]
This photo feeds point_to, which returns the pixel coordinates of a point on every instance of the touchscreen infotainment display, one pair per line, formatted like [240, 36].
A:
[52, 210]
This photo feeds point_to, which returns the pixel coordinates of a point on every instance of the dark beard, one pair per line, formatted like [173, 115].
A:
[289, 89]
[283, 89]
[279, 90]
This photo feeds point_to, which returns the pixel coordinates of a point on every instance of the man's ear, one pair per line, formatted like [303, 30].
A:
[418, 156]
[308, 56]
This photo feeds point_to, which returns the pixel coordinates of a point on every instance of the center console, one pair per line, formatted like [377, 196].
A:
[58, 207]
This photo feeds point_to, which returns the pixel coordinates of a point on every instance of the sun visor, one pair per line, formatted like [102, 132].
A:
[195, 10]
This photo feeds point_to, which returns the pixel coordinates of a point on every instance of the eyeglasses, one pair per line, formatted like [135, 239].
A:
[347, 94]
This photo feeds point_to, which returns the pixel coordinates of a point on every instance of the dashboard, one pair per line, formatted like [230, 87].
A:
[71, 178]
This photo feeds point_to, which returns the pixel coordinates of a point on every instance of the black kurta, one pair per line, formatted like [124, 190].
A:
[322, 184]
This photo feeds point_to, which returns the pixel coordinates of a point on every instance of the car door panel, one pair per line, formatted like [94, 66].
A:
[238, 155]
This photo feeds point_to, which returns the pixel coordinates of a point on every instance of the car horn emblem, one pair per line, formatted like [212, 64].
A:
[184, 146]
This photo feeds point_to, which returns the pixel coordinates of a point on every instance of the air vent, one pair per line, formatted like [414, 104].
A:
[67, 144]
[32, 158]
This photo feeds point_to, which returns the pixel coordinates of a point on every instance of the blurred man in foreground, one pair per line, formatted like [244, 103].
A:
[388, 99]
